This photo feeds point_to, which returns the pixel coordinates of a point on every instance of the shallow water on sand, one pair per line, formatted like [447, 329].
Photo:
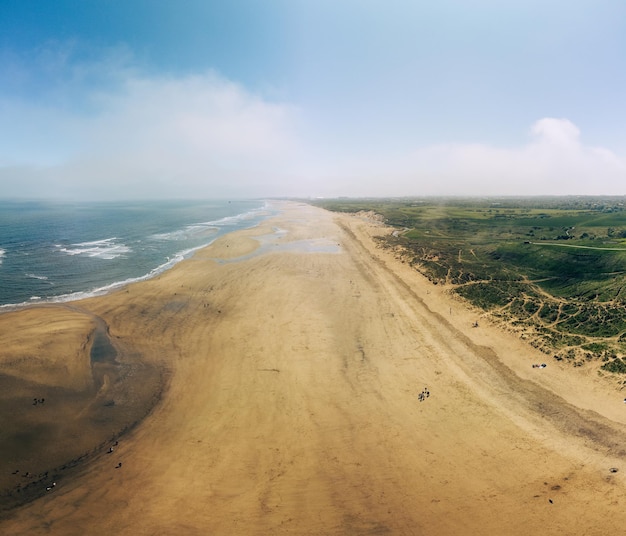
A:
[278, 241]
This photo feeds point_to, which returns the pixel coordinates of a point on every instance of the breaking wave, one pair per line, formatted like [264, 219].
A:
[109, 249]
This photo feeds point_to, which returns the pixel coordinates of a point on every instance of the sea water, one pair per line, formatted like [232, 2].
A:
[65, 251]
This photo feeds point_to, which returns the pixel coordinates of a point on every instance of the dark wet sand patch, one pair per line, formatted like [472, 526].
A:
[48, 432]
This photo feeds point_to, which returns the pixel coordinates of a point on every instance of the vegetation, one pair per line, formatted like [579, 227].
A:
[553, 268]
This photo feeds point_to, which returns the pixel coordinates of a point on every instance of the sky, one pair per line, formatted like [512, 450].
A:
[132, 99]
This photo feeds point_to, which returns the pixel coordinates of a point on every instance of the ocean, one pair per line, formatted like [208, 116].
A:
[52, 252]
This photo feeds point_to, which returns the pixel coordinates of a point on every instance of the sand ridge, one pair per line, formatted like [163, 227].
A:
[292, 404]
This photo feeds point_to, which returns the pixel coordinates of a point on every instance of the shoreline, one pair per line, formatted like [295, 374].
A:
[294, 375]
[24, 486]
[176, 258]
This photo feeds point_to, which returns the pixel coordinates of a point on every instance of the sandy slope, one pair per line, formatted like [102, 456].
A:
[293, 372]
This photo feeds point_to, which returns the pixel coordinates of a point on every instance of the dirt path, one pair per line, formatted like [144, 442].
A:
[333, 391]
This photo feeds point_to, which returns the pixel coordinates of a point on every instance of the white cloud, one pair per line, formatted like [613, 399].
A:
[553, 162]
[559, 132]
[198, 113]
[198, 135]
[205, 136]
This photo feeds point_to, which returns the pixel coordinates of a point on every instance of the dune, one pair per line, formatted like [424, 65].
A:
[295, 378]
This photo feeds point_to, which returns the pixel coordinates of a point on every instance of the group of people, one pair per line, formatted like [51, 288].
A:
[110, 451]
[33, 480]
[424, 394]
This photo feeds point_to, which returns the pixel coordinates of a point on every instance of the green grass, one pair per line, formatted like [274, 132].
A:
[618, 365]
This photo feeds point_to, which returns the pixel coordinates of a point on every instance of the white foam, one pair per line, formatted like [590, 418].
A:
[2, 254]
[107, 249]
[88, 248]
[230, 220]
[196, 230]
[40, 277]
[100, 291]
[191, 231]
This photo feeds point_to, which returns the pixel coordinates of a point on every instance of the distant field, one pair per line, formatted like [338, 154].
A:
[553, 269]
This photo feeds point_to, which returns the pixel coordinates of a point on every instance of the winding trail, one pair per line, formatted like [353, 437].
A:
[575, 246]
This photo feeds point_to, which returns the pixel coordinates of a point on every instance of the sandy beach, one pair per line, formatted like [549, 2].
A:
[295, 378]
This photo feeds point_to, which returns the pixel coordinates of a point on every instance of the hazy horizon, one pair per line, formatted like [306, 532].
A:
[201, 99]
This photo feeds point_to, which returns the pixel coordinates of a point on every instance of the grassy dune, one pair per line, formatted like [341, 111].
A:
[552, 269]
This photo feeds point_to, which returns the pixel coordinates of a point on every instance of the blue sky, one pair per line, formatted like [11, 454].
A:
[155, 98]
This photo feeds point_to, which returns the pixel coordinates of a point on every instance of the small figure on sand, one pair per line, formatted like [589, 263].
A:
[424, 394]
[118, 465]
[543, 365]
[475, 324]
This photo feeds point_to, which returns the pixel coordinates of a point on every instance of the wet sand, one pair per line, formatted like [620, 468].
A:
[276, 383]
